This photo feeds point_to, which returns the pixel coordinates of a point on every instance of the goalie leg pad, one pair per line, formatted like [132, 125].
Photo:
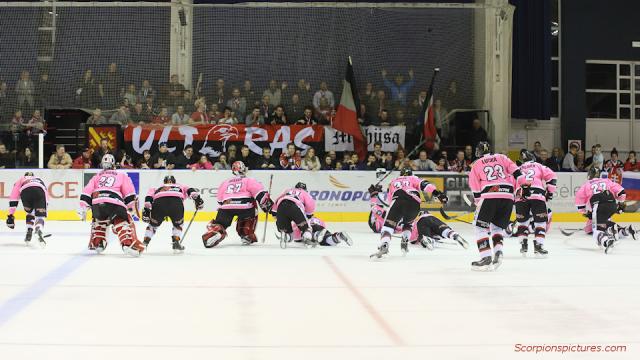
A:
[246, 228]
[214, 235]
[98, 238]
[126, 233]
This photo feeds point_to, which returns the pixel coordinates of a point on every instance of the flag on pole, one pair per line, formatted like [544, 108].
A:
[429, 132]
[346, 119]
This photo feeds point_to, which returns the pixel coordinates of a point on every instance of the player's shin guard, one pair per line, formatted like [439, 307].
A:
[482, 240]
[176, 233]
[149, 233]
[98, 240]
[30, 221]
[214, 235]
[126, 233]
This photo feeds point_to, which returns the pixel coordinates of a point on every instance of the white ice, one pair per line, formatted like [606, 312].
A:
[263, 302]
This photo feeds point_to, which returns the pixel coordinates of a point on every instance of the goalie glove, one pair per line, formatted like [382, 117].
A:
[619, 210]
[146, 215]
[199, 203]
[11, 221]
[442, 197]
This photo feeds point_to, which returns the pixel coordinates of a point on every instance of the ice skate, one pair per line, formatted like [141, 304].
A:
[343, 237]
[41, 241]
[382, 250]
[27, 237]
[539, 250]
[524, 247]
[176, 245]
[460, 240]
[99, 248]
[135, 249]
[284, 239]
[632, 232]
[427, 242]
[483, 264]
[308, 239]
[608, 244]
[497, 260]
[404, 246]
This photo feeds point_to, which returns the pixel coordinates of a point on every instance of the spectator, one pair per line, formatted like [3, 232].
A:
[333, 155]
[596, 159]
[442, 165]
[369, 94]
[120, 117]
[87, 90]
[249, 94]
[445, 155]
[307, 117]
[36, 124]
[266, 108]
[399, 159]
[274, 93]
[162, 159]
[544, 156]
[478, 133]
[24, 91]
[149, 107]
[202, 164]
[187, 102]
[311, 161]
[324, 113]
[200, 116]
[303, 90]
[399, 89]
[60, 159]
[632, 163]
[111, 87]
[278, 117]
[406, 163]
[83, 161]
[219, 94]
[175, 94]
[124, 160]
[376, 107]
[415, 110]
[363, 116]
[569, 161]
[255, 118]
[537, 148]
[372, 163]
[399, 118]
[339, 166]
[460, 163]
[27, 159]
[146, 92]
[214, 114]
[246, 157]
[423, 163]
[377, 151]
[266, 161]
[180, 117]
[323, 93]
[354, 163]
[295, 109]
[184, 160]
[580, 160]
[290, 159]
[102, 151]
[138, 116]
[96, 118]
[468, 153]
[388, 162]
[442, 126]
[328, 163]
[145, 160]
[614, 167]
[383, 119]
[222, 163]
[232, 154]
[227, 118]
[555, 161]
[163, 117]
[237, 104]
[131, 95]
[7, 160]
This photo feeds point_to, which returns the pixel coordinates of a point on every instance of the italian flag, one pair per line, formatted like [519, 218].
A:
[346, 119]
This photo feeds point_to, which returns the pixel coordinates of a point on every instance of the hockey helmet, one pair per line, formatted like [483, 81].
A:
[406, 172]
[29, 173]
[483, 148]
[594, 173]
[527, 156]
[108, 162]
[301, 185]
[239, 168]
[169, 179]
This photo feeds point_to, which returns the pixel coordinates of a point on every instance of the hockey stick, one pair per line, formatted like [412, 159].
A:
[454, 218]
[266, 217]
[569, 232]
[184, 235]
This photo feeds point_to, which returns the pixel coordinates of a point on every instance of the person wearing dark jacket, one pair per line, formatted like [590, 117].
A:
[185, 159]
[477, 133]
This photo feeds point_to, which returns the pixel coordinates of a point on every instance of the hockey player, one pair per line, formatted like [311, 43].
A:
[598, 199]
[427, 229]
[109, 194]
[534, 188]
[237, 197]
[32, 191]
[295, 206]
[320, 234]
[492, 181]
[167, 201]
[378, 203]
[404, 193]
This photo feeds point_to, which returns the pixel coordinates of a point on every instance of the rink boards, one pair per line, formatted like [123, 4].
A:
[340, 195]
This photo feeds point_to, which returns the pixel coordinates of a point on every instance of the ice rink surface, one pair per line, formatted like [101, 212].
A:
[263, 302]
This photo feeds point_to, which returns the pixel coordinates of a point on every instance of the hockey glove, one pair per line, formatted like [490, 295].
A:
[11, 221]
[266, 204]
[442, 197]
[526, 191]
[620, 210]
[146, 215]
[375, 189]
[549, 196]
[199, 203]
[587, 214]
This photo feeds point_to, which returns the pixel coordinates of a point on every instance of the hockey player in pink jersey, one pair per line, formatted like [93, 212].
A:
[492, 180]
[167, 201]
[598, 199]
[237, 197]
[320, 234]
[534, 188]
[404, 194]
[296, 206]
[427, 229]
[109, 194]
[32, 191]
